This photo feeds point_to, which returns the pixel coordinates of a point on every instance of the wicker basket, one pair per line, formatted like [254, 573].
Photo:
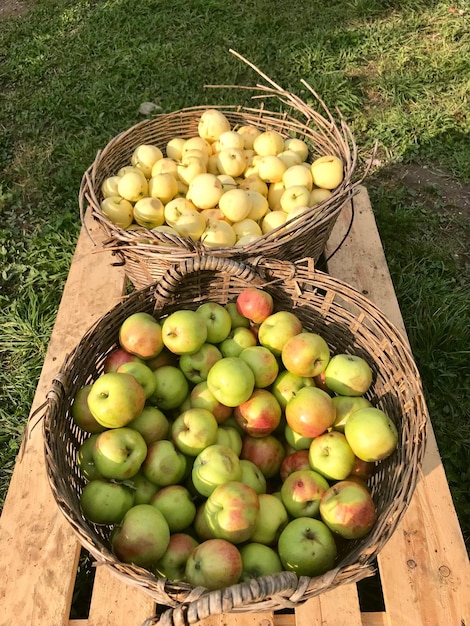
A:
[305, 235]
[349, 323]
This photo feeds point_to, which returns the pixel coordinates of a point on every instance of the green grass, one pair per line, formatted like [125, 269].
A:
[73, 74]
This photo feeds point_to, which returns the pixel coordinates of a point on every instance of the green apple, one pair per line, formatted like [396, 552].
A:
[173, 563]
[152, 424]
[331, 456]
[142, 537]
[119, 453]
[214, 564]
[116, 399]
[276, 329]
[105, 502]
[142, 374]
[255, 304]
[81, 414]
[171, 388]
[348, 510]
[371, 434]
[293, 462]
[301, 492]
[215, 465]
[287, 385]
[296, 441]
[345, 406]
[253, 476]
[260, 415]
[193, 430]
[143, 488]
[310, 412]
[85, 459]
[348, 375]
[229, 436]
[200, 526]
[263, 363]
[141, 334]
[164, 464]
[201, 397]
[177, 506]
[217, 319]
[117, 357]
[305, 354]
[231, 511]
[183, 332]
[238, 339]
[259, 560]
[307, 547]
[196, 366]
[267, 453]
[271, 520]
[231, 381]
[238, 321]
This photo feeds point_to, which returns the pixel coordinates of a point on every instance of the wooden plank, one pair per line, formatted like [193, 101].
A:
[424, 567]
[39, 551]
[338, 607]
[117, 603]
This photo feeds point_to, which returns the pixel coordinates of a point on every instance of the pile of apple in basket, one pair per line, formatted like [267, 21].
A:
[223, 187]
[226, 442]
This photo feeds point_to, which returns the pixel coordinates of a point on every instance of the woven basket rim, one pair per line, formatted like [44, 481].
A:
[279, 275]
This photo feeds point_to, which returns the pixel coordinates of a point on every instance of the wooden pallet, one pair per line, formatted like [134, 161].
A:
[423, 569]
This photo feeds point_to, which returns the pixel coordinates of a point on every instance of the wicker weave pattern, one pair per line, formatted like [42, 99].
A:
[304, 235]
[348, 322]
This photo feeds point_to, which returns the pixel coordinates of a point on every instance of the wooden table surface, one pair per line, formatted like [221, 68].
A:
[423, 569]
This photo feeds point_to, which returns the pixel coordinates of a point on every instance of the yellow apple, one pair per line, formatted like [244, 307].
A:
[213, 214]
[205, 191]
[212, 164]
[298, 175]
[327, 171]
[127, 168]
[228, 182]
[165, 229]
[230, 139]
[196, 143]
[190, 224]
[246, 239]
[293, 197]
[212, 124]
[299, 210]
[174, 148]
[248, 132]
[269, 142]
[194, 153]
[133, 186]
[149, 212]
[297, 145]
[110, 186]
[272, 220]
[259, 205]
[118, 210]
[218, 234]
[145, 156]
[275, 192]
[290, 158]
[317, 195]
[271, 168]
[231, 161]
[246, 227]
[182, 189]
[175, 208]
[165, 166]
[235, 204]
[188, 171]
[254, 183]
[163, 186]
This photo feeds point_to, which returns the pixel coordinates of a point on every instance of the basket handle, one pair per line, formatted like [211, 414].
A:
[225, 600]
[255, 270]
